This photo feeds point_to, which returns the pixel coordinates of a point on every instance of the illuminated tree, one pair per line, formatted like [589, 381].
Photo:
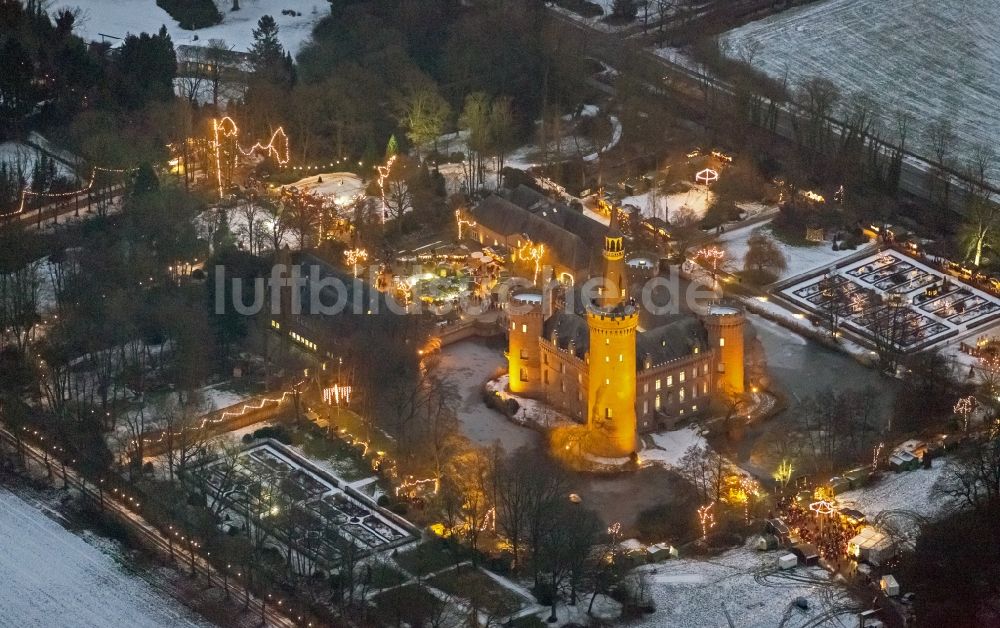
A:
[424, 114]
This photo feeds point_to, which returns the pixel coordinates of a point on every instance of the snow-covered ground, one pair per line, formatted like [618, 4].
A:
[932, 59]
[742, 588]
[53, 578]
[341, 187]
[801, 259]
[22, 158]
[670, 446]
[908, 491]
[118, 18]
[697, 199]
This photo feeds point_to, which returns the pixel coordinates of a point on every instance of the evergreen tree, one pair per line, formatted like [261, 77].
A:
[266, 54]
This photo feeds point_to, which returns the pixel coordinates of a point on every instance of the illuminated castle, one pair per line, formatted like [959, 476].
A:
[619, 382]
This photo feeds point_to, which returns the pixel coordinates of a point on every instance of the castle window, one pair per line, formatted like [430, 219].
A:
[562, 386]
[694, 408]
[645, 387]
[524, 375]
[722, 342]
[607, 359]
[545, 377]
[607, 381]
[607, 341]
[704, 388]
[694, 392]
[645, 407]
[621, 357]
[524, 354]
[658, 383]
[696, 350]
[562, 367]
[607, 413]
[680, 395]
[704, 368]
[670, 380]
[657, 402]
[513, 326]
[681, 376]
[524, 328]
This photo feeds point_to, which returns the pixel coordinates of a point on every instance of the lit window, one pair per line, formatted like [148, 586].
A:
[607, 381]
[696, 350]
[657, 402]
[524, 328]
[513, 326]
[680, 395]
[704, 388]
[607, 359]
[607, 341]
[704, 368]
[645, 387]
[694, 408]
[621, 357]
[670, 380]
[645, 406]
[722, 342]
[681, 376]
[607, 413]
[658, 383]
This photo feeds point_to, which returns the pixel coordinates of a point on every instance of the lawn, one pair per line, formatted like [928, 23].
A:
[480, 590]
[426, 558]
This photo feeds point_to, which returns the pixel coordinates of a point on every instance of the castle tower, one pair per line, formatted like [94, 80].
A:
[611, 382]
[725, 333]
[613, 323]
[615, 281]
[523, 352]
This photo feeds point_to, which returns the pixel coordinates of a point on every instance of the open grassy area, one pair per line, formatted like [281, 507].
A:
[426, 558]
[480, 590]
[412, 604]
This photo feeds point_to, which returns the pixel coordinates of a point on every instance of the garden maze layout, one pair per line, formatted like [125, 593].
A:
[937, 306]
[269, 494]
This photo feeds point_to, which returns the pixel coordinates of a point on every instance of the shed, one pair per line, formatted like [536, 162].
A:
[858, 477]
[889, 585]
[903, 461]
[852, 516]
[806, 552]
[872, 546]
[765, 542]
[788, 561]
[839, 484]
[778, 528]
[660, 551]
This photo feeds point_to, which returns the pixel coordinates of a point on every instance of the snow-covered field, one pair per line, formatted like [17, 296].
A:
[669, 447]
[120, 17]
[908, 491]
[740, 588]
[50, 577]
[930, 58]
[21, 158]
[341, 187]
[801, 259]
[697, 199]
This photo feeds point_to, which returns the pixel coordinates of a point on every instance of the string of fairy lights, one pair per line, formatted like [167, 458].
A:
[85, 189]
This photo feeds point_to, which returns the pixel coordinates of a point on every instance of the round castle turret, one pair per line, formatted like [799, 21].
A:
[725, 325]
[523, 351]
[611, 384]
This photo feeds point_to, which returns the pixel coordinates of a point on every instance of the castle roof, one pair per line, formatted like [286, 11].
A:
[568, 326]
[676, 339]
[673, 340]
[506, 218]
[560, 214]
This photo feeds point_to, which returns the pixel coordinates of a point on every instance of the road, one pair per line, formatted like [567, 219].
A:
[150, 536]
